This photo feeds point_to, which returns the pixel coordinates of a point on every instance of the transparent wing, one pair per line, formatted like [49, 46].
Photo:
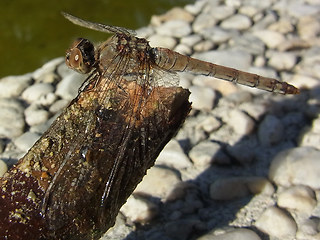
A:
[98, 26]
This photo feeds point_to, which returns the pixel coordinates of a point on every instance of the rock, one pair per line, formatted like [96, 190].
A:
[174, 28]
[26, 140]
[58, 105]
[158, 182]
[238, 21]
[35, 115]
[139, 209]
[209, 124]
[68, 87]
[42, 74]
[157, 40]
[205, 153]
[282, 61]
[202, 98]
[310, 226]
[238, 187]
[190, 40]
[271, 38]
[34, 92]
[203, 21]
[182, 228]
[175, 13]
[248, 10]
[270, 131]
[300, 198]
[11, 109]
[241, 123]
[173, 156]
[195, 8]
[236, 234]
[223, 87]
[248, 43]
[3, 168]
[222, 12]
[12, 86]
[300, 9]
[217, 35]
[203, 46]
[282, 26]
[296, 166]
[240, 59]
[308, 27]
[183, 49]
[244, 150]
[254, 110]
[277, 223]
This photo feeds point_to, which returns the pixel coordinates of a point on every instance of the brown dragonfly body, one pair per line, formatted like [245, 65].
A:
[166, 60]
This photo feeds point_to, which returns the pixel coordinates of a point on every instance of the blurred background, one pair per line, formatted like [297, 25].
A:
[34, 32]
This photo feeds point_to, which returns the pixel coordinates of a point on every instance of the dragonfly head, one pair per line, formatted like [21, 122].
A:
[80, 56]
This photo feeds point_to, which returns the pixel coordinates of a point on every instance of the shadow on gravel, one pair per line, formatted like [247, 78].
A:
[196, 214]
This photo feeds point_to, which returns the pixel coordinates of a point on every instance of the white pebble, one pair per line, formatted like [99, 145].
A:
[173, 156]
[297, 166]
[277, 223]
[299, 198]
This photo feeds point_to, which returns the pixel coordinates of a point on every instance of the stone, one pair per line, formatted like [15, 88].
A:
[300, 198]
[183, 49]
[209, 124]
[35, 91]
[175, 13]
[222, 12]
[26, 140]
[190, 40]
[238, 21]
[11, 118]
[308, 27]
[230, 58]
[296, 166]
[282, 61]
[3, 168]
[35, 115]
[158, 182]
[182, 228]
[40, 75]
[173, 156]
[58, 105]
[241, 123]
[203, 21]
[139, 209]
[202, 98]
[157, 40]
[12, 86]
[276, 223]
[282, 26]
[206, 152]
[237, 187]
[235, 234]
[300, 9]
[68, 87]
[270, 131]
[270, 38]
[174, 28]
[217, 35]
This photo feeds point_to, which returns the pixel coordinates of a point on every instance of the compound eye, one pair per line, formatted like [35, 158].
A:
[74, 59]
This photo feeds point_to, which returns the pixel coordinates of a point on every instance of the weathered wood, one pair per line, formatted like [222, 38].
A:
[73, 181]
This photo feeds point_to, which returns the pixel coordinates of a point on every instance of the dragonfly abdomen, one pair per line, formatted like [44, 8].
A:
[173, 61]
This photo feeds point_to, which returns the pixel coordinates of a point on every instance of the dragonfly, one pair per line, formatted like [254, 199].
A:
[157, 66]
[127, 109]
